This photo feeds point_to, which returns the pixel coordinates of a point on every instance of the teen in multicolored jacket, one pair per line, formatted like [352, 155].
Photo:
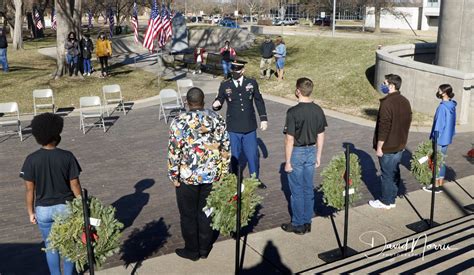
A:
[198, 155]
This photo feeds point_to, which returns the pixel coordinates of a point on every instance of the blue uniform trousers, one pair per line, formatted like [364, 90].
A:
[246, 142]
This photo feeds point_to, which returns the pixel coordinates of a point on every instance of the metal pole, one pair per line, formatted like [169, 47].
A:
[90, 252]
[333, 17]
[346, 203]
[237, 231]
[433, 177]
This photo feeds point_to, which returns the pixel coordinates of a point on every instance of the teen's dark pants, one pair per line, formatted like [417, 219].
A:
[195, 226]
[104, 64]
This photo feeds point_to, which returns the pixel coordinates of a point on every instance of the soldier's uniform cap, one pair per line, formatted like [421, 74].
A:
[237, 65]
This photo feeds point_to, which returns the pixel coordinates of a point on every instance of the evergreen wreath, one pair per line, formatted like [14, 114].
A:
[222, 203]
[333, 182]
[69, 238]
[423, 172]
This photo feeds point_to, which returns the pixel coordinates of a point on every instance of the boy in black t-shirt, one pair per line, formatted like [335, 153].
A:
[304, 140]
[52, 177]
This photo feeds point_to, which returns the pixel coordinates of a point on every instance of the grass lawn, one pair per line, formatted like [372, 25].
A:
[341, 68]
[30, 70]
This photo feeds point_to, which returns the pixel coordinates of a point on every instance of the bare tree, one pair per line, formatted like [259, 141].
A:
[17, 29]
[65, 11]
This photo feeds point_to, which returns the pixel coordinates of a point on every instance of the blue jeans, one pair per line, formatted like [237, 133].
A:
[389, 165]
[280, 63]
[87, 65]
[226, 67]
[300, 180]
[246, 142]
[44, 217]
[442, 171]
[70, 59]
[3, 59]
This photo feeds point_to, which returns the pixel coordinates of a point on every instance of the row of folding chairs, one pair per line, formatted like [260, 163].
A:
[90, 107]
[171, 101]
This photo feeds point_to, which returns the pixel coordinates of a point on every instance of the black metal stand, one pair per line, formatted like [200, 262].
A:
[427, 224]
[90, 251]
[344, 251]
[237, 231]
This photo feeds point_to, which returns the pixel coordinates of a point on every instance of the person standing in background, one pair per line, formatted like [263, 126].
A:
[444, 124]
[3, 51]
[72, 53]
[280, 55]
[228, 55]
[103, 51]
[199, 59]
[87, 46]
[266, 50]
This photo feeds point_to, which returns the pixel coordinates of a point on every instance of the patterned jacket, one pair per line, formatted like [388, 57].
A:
[198, 150]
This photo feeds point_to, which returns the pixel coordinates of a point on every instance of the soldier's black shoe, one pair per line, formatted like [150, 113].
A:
[288, 227]
[262, 185]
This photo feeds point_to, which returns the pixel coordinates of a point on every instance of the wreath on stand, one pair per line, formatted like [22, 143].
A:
[222, 203]
[69, 238]
[422, 163]
[333, 182]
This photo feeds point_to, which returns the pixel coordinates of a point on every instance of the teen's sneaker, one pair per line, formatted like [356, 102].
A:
[430, 187]
[379, 204]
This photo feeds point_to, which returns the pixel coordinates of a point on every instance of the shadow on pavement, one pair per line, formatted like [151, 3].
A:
[142, 243]
[271, 257]
[23, 258]
[129, 207]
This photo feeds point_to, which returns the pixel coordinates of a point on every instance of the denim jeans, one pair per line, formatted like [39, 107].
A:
[44, 217]
[389, 164]
[226, 67]
[87, 65]
[443, 149]
[3, 59]
[300, 180]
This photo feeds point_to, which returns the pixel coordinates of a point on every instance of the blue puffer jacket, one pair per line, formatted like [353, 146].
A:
[445, 122]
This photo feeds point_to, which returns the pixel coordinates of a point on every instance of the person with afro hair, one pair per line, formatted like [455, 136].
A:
[51, 177]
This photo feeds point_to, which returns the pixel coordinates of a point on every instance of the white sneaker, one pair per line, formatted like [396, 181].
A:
[379, 204]
[392, 205]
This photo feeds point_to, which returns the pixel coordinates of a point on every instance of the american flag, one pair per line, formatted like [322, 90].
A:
[153, 27]
[89, 18]
[166, 30]
[111, 22]
[135, 21]
[54, 23]
[38, 23]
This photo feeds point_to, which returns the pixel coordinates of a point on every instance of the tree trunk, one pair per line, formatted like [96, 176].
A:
[377, 13]
[17, 31]
[64, 26]
[77, 15]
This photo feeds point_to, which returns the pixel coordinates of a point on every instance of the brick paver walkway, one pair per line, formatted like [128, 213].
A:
[126, 167]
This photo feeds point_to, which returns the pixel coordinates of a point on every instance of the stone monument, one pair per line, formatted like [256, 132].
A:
[179, 41]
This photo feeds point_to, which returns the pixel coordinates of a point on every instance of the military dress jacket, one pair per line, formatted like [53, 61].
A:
[240, 117]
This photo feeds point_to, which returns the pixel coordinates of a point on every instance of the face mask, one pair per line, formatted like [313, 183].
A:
[236, 75]
[439, 95]
[384, 88]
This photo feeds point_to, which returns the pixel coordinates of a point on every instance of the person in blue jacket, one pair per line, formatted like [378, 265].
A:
[444, 124]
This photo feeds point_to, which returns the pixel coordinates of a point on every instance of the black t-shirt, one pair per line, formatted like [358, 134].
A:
[51, 171]
[226, 55]
[305, 121]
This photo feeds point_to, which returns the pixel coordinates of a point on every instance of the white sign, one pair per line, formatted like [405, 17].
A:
[94, 222]
[236, 13]
[323, 14]
[423, 159]
[351, 191]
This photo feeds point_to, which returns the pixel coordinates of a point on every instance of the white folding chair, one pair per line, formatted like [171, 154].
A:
[11, 120]
[113, 95]
[183, 86]
[169, 100]
[94, 110]
[42, 95]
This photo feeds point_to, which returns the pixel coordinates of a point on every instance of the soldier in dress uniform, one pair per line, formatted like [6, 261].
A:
[240, 93]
